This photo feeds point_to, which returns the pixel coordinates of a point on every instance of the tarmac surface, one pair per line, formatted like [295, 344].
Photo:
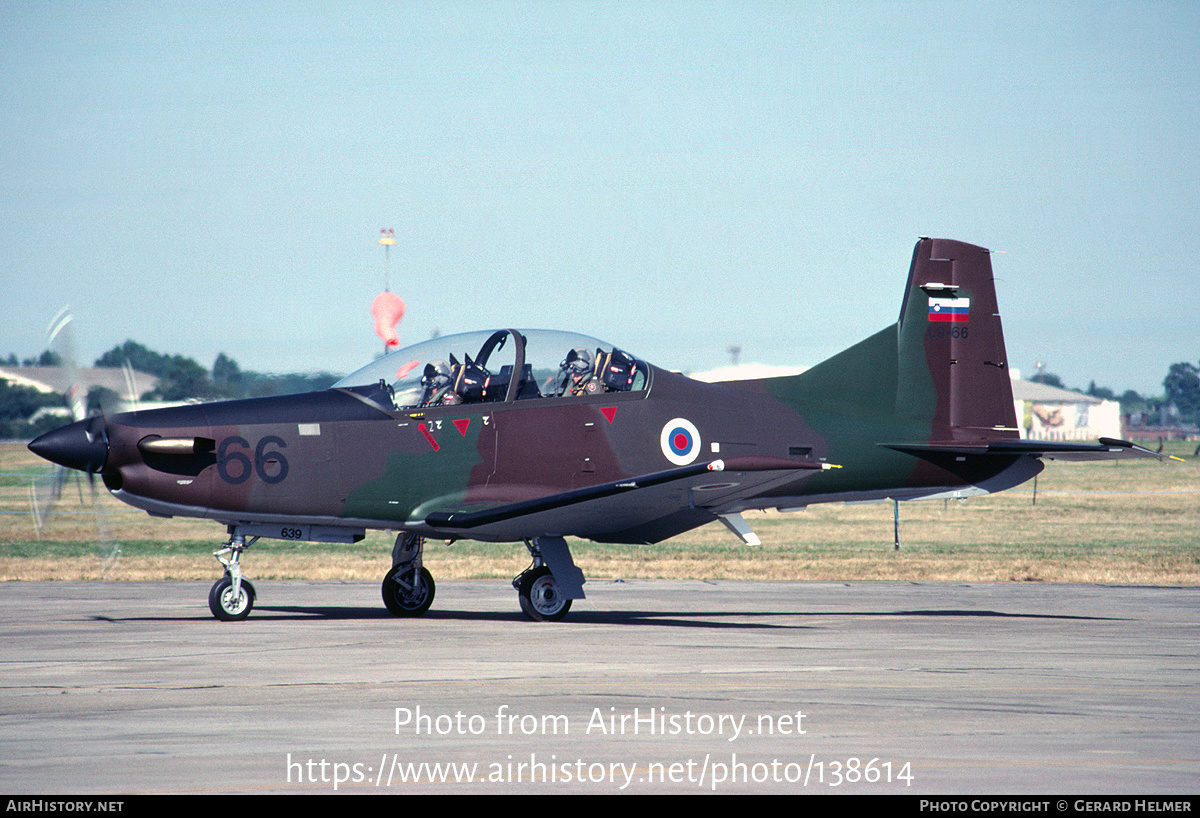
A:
[646, 687]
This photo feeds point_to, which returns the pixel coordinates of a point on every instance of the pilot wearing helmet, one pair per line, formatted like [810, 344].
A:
[437, 385]
[577, 376]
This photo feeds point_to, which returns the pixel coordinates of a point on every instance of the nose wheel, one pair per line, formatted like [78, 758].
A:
[229, 604]
[232, 598]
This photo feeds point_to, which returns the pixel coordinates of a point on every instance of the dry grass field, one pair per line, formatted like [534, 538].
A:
[1127, 523]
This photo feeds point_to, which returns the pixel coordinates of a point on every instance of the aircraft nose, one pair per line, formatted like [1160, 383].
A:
[81, 445]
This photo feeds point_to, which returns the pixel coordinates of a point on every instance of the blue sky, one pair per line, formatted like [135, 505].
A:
[674, 177]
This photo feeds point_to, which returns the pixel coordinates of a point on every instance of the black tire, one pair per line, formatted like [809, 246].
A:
[223, 604]
[399, 596]
[540, 597]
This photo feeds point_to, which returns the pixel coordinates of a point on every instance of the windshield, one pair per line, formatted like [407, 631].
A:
[477, 367]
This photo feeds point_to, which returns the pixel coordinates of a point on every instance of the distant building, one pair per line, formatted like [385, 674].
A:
[1048, 413]
[1160, 425]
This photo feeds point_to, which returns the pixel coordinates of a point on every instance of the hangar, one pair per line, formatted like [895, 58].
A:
[1046, 412]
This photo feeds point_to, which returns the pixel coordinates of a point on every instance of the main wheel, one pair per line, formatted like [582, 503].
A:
[227, 607]
[405, 597]
[540, 597]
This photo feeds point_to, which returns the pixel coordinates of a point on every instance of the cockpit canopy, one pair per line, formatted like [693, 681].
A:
[478, 367]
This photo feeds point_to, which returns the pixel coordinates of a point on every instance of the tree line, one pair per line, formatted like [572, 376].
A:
[179, 378]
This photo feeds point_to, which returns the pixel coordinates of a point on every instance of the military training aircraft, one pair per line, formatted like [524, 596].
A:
[534, 436]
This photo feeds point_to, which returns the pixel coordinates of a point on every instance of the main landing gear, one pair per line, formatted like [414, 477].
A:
[544, 590]
[539, 595]
[408, 587]
[232, 598]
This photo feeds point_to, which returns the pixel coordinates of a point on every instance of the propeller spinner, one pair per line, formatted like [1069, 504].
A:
[81, 445]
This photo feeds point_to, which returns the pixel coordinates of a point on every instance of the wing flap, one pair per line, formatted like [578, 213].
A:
[1106, 449]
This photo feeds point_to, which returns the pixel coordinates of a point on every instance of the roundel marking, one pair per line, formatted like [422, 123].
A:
[680, 441]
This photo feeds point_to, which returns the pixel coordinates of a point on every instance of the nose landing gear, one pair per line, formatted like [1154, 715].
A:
[231, 598]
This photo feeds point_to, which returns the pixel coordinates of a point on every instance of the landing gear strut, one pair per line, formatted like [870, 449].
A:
[232, 598]
[408, 587]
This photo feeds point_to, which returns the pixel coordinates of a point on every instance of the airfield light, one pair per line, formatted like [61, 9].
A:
[387, 239]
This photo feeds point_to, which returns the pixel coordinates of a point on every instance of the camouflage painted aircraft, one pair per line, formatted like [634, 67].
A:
[534, 436]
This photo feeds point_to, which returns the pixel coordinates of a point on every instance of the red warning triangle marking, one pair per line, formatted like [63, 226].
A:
[461, 424]
[609, 412]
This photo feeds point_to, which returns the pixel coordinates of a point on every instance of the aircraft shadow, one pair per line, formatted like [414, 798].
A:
[1001, 614]
[673, 619]
[697, 619]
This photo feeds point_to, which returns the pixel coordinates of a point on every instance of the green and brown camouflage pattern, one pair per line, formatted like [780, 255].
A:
[922, 408]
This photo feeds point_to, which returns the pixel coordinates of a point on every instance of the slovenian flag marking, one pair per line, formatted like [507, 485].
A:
[953, 310]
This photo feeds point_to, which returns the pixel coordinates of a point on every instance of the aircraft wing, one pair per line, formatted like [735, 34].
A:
[1107, 449]
[644, 509]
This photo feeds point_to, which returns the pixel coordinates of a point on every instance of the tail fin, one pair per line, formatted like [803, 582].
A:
[941, 371]
[952, 368]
